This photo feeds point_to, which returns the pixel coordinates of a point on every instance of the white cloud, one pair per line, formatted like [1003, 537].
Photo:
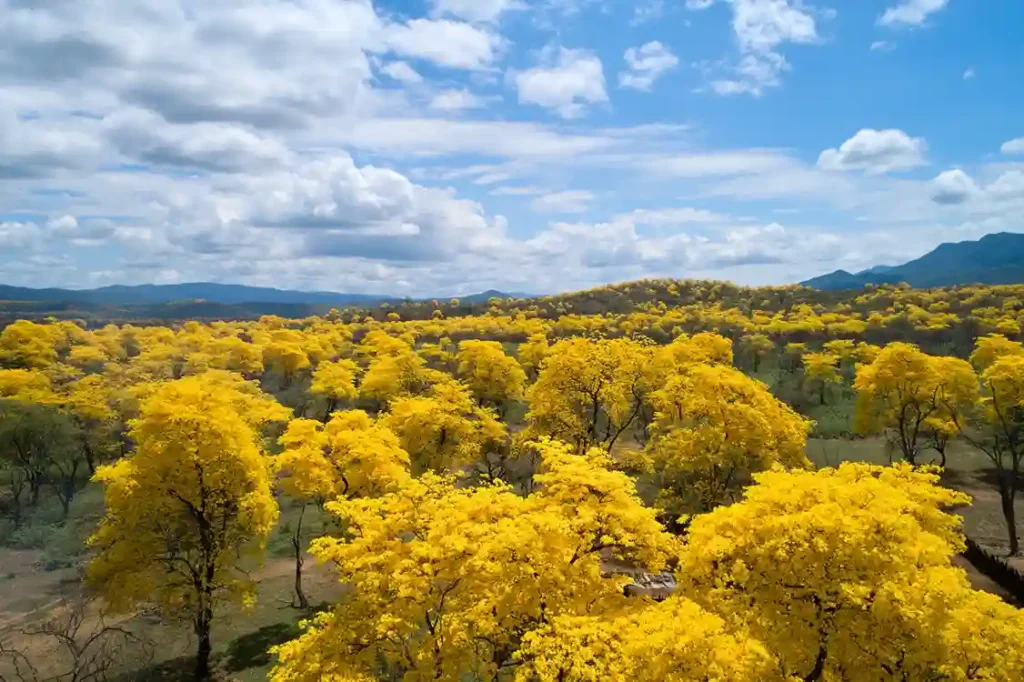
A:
[402, 72]
[440, 137]
[476, 10]
[18, 235]
[571, 201]
[881, 45]
[911, 12]
[1014, 146]
[567, 83]
[647, 11]
[227, 147]
[753, 75]
[447, 43]
[516, 191]
[969, 74]
[455, 100]
[953, 187]
[646, 64]
[875, 152]
[762, 25]
[671, 216]
[760, 28]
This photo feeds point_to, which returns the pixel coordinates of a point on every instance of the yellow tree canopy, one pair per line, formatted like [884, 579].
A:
[182, 510]
[491, 375]
[335, 380]
[446, 580]
[905, 390]
[588, 392]
[845, 574]
[990, 348]
[350, 456]
[713, 426]
[672, 641]
[444, 430]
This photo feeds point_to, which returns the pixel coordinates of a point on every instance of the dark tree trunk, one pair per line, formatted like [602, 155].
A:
[301, 602]
[202, 671]
[1006, 495]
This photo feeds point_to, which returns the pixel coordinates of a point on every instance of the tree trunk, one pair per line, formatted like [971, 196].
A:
[301, 602]
[89, 457]
[331, 404]
[1006, 495]
[821, 394]
[202, 671]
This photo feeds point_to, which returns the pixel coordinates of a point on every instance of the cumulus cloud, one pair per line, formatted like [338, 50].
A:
[33, 148]
[646, 64]
[911, 12]
[402, 72]
[876, 152]
[647, 11]
[1014, 146]
[953, 187]
[455, 100]
[572, 201]
[753, 75]
[476, 10]
[762, 25]
[760, 28]
[225, 147]
[566, 82]
[447, 43]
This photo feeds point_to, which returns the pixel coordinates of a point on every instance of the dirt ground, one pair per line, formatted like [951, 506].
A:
[967, 470]
[29, 596]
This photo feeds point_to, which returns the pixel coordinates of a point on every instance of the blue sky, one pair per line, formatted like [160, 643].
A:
[441, 147]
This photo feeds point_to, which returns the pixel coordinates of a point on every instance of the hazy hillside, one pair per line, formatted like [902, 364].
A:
[993, 259]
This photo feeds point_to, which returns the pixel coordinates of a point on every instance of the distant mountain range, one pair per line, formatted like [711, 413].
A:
[228, 294]
[993, 259]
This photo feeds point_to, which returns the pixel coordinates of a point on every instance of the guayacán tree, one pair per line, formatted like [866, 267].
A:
[672, 640]
[713, 427]
[846, 574]
[335, 381]
[494, 378]
[445, 430]
[906, 394]
[997, 427]
[821, 370]
[189, 506]
[447, 580]
[350, 456]
[588, 391]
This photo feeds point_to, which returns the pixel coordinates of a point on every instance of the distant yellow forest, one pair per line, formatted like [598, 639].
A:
[658, 480]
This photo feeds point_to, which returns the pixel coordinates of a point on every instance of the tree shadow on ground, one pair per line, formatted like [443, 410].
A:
[252, 650]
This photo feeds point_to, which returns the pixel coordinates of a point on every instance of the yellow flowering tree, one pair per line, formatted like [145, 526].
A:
[445, 430]
[713, 427]
[588, 392]
[821, 370]
[494, 378]
[997, 428]
[350, 456]
[185, 509]
[845, 574]
[672, 640]
[446, 580]
[335, 382]
[905, 393]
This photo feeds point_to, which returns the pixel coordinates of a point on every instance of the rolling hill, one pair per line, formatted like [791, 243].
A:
[225, 294]
[993, 259]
